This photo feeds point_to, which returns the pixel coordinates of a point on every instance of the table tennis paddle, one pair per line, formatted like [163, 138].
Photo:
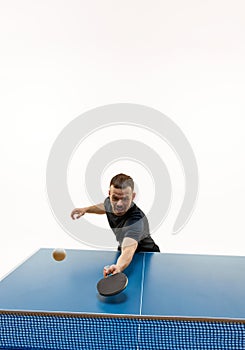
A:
[112, 284]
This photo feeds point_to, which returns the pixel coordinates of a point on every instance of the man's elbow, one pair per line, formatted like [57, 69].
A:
[129, 243]
[128, 251]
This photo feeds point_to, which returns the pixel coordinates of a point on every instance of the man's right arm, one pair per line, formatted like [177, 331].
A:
[94, 209]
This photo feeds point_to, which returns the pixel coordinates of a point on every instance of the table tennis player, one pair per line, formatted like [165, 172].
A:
[126, 219]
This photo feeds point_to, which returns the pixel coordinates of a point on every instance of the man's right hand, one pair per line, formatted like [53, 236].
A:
[111, 270]
[78, 212]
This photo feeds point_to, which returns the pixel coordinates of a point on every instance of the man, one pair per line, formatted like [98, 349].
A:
[126, 220]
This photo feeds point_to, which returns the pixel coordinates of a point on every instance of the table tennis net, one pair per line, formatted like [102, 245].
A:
[65, 332]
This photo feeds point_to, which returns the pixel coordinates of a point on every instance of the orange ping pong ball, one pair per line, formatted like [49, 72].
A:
[59, 254]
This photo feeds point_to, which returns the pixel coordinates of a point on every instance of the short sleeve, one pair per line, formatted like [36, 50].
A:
[134, 228]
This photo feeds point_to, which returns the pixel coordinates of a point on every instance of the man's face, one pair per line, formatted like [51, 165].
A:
[121, 199]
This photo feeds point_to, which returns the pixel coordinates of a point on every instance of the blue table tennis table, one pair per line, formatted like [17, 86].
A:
[172, 301]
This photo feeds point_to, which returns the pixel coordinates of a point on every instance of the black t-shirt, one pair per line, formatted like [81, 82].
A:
[132, 224]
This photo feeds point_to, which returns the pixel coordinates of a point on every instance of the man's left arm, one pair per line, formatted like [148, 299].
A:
[129, 247]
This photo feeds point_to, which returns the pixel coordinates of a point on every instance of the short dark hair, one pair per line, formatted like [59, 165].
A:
[122, 181]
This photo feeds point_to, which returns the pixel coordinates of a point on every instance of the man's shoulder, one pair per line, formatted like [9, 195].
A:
[107, 199]
[136, 217]
[135, 210]
[107, 203]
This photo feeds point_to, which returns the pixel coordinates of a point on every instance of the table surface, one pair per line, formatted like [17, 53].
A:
[167, 285]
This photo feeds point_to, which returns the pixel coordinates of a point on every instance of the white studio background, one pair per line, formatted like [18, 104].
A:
[60, 59]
